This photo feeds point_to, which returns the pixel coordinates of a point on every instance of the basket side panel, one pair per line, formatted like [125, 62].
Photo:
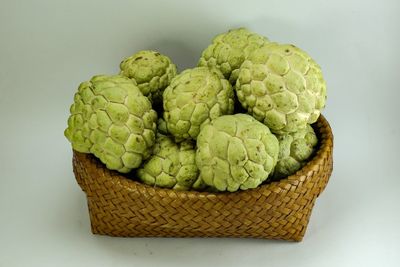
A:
[270, 212]
[291, 227]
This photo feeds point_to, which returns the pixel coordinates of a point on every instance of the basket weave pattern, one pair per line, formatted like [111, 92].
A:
[119, 206]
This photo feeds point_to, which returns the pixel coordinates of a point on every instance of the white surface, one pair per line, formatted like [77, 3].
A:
[48, 47]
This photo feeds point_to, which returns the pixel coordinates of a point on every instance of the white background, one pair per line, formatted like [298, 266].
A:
[48, 47]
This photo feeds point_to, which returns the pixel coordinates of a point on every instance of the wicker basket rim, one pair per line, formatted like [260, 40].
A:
[325, 136]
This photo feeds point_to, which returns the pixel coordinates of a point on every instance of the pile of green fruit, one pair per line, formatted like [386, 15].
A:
[238, 119]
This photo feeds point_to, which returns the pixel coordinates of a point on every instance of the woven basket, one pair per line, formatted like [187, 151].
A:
[120, 206]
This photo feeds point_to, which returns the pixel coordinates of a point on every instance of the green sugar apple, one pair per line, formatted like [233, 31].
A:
[111, 119]
[194, 97]
[281, 86]
[294, 151]
[162, 126]
[171, 165]
[236, 152]
[152, 72]
[228, 51]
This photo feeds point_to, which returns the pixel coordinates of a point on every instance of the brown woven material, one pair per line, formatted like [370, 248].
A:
[119, 206]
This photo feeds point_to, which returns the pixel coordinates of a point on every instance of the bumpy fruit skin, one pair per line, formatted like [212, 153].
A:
[228, 51]
[112, 119]
[236, 152]
[281, 86]
[194, 97]
[162, 126]
[294, 151]
[171, 165]
[151, 71]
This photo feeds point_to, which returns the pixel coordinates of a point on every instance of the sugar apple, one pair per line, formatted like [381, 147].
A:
[281, 86]
[112, 119]
[228, 51]
[171, 165]
[194, 97]
[236, 151]
[294, 151]
[162, 126]
[152, 72]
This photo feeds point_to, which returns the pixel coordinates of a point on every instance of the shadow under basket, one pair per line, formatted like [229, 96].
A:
[120, 206]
